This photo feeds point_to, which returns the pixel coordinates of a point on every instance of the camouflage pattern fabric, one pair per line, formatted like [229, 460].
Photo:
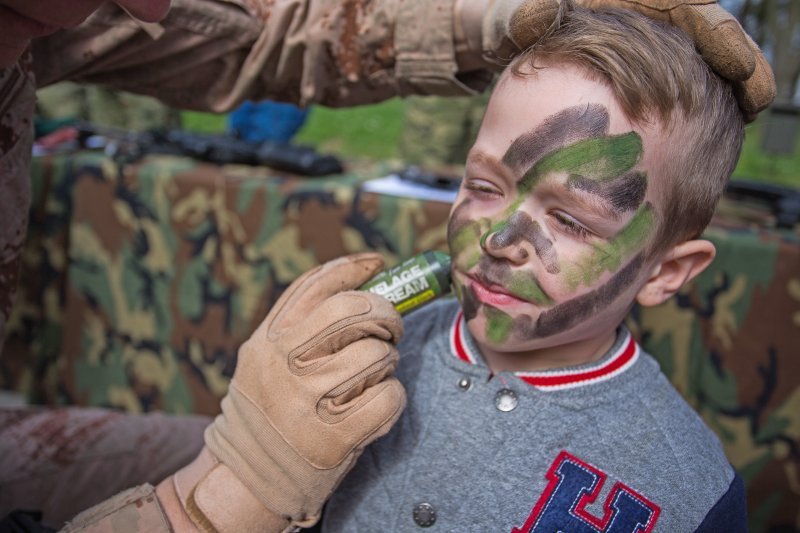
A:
[140, 297]
[63, 461]
[104, 107]
[440, 131]
[140, 283]
[729, 342]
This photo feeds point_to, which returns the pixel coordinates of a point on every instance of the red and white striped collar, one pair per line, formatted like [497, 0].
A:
[618, 362]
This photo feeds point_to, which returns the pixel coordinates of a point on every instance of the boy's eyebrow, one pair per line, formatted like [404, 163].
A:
[565, 127]
[479, 157]
[597, 202]
[620, 195]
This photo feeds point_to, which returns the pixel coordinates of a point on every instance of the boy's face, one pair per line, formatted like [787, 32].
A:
[548, 231]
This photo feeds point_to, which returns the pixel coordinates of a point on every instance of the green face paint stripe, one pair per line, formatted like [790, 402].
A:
[527, 288]
[608, 257]
[598, 158]
[464, 237]
[498, 325]
[497, 226]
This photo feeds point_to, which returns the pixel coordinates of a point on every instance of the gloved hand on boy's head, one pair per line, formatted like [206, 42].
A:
[512, 26]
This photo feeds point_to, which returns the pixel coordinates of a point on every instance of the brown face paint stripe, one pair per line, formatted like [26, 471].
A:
[565, 127]
[469, 303]
[624, 193]
[572, 312]
[521, 284]
[522, 228]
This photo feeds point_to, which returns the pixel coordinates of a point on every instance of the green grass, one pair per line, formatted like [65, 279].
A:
[369, 132]
[756, 165]
[203, 122]
[372, 132]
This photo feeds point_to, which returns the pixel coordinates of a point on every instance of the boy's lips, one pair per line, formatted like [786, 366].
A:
[493, 294]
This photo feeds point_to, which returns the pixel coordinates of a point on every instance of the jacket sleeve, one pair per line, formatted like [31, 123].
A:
[729, 513]
[213, 54]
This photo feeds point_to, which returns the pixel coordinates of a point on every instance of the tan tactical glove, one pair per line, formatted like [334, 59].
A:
[511, 25]
[312, 388]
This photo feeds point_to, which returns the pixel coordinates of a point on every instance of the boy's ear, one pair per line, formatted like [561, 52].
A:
[679, 265]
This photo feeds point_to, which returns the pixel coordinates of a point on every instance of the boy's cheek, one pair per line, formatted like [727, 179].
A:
[464, 240]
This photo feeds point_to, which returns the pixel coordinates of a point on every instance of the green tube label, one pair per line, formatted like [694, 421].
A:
[414, 282]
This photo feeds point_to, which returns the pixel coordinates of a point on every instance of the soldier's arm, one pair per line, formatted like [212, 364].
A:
[212, 54]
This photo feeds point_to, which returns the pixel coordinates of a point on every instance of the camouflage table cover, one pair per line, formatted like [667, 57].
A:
[141, 282]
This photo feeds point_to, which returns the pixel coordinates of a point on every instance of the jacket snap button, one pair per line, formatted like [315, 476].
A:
[424, 515]
[506, 400]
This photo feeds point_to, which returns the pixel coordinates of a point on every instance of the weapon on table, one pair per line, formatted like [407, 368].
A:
[125, 147]
[783, 202]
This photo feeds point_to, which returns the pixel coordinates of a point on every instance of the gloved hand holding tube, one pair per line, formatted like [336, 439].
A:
[313, 386]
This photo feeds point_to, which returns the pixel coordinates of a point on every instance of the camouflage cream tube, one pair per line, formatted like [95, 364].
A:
[414, 282]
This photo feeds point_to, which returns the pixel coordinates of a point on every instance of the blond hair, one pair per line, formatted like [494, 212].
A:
[657, 77]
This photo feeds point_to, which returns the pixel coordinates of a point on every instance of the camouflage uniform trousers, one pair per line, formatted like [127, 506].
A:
[62, 461]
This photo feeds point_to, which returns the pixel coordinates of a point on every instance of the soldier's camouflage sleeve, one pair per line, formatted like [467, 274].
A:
[17, 99]
[212, 54]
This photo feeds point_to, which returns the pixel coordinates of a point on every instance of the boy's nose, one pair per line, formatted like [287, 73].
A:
[503, 244]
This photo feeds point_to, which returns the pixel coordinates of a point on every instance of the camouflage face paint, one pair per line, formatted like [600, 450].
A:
[624, 193]
[608, 257]
[561, 129]
[574, 144]
[598, 159]
[521, 284]
[462, 236]
[570, 313]
[498, 325]
[522, 228]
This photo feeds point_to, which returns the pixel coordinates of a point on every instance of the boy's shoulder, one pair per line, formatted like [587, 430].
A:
[650, 437]
[645, 408]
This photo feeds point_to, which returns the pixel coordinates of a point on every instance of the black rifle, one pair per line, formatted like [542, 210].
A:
[125, 147]
[783, 202]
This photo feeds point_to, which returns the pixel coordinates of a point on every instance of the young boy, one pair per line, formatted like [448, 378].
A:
[599, 162]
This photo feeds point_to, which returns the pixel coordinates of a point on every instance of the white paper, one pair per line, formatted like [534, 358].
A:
[395, 186]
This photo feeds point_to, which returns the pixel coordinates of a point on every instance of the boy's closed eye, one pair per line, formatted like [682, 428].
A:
[483, 188]
[581, 214]
[570, 226]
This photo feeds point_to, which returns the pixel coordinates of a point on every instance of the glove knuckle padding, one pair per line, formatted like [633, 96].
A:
[719, 38]
[308, 291]
[336, 323]
[530, 21]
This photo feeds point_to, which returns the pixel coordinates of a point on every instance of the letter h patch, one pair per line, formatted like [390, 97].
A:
[572, 485]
